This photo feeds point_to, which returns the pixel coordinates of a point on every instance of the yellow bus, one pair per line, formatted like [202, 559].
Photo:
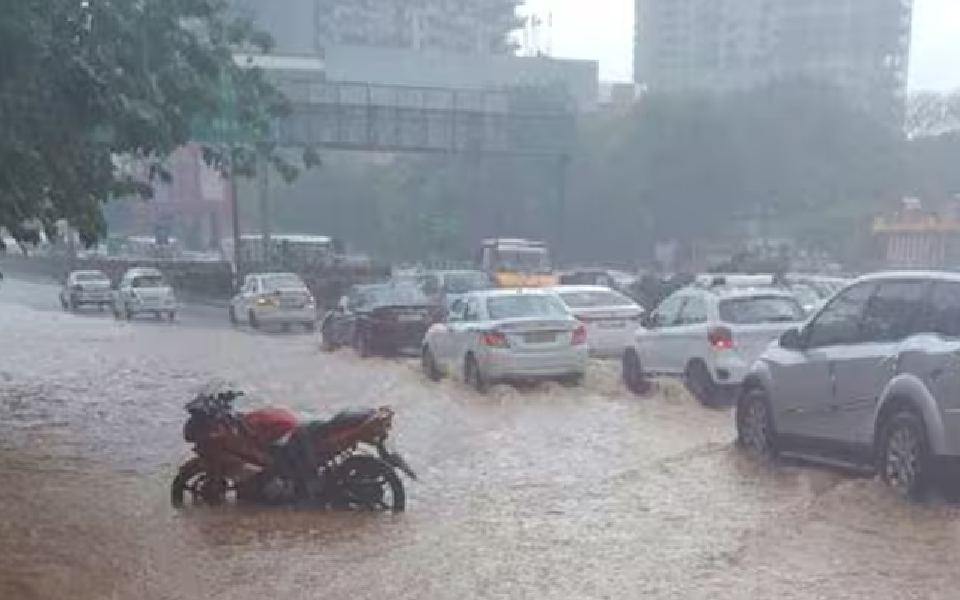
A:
[514, 263]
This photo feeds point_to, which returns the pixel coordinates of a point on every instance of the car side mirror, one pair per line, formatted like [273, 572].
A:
[648, 321]
[791, 340]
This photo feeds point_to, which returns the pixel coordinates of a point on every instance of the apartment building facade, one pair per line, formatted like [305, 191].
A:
[859, 46]
[454, 26]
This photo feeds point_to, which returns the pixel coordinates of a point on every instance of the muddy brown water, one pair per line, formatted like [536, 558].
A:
[548, 492]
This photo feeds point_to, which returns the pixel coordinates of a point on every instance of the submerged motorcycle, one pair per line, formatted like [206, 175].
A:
[269, 456]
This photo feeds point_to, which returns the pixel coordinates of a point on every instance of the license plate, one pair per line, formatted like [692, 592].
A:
[409, 318]
[612, 324]
[540, 337]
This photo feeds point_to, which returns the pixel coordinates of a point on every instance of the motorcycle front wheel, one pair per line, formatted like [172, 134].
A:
[368, 483]
[195, 486]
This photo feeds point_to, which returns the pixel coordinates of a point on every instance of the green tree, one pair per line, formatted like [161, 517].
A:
[88, 86]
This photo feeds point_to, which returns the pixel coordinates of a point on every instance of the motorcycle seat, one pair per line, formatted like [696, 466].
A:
[349, 417]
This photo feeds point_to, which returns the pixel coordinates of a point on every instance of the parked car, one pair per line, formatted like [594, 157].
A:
[610, 317]
[873, 379]
[502, 335]
[144, 290]
[83, 288]
[379, 319]
[274, 299]
[709, 336]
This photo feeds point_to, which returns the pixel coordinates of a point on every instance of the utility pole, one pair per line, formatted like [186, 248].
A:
[263, 190]
[563, 163]
[235, 215]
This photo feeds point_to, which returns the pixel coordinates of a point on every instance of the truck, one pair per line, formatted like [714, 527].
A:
[516, 262]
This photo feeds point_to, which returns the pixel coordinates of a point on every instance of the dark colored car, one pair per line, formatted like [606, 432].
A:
[380, 319]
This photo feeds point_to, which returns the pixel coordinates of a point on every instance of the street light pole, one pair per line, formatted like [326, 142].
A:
[235, 214]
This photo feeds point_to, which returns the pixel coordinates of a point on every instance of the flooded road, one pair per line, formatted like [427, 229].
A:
[549, 492]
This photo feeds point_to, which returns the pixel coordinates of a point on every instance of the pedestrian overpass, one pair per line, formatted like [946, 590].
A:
[392, 118]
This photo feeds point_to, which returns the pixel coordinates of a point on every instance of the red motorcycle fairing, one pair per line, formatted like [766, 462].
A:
[268, 425]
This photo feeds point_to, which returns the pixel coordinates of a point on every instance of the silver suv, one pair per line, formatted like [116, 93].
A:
[873, 379]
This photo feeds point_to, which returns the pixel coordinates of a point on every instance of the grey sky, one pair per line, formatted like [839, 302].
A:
[603, 30]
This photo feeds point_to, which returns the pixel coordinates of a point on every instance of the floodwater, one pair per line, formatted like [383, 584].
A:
[548, 492]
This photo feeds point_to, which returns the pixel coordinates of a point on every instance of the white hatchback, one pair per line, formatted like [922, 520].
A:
[709, 336]
[610, 317]
[503, 335]
[144, 290]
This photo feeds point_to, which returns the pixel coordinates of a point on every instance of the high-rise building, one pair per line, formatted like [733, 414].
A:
[460, 26]
[859, 46]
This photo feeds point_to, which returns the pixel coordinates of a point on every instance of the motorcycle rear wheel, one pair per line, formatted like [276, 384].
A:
[195, 485]
[368, 483]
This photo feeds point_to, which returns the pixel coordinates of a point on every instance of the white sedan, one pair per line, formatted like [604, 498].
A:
[610, 317]
[506, 335]
[274, 298]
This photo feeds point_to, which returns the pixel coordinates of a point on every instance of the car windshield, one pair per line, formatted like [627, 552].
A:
[521, 306]
[148, 281]
[468, 281]
[760, 309]
[281, 282]
[90, 277]
[594, 298]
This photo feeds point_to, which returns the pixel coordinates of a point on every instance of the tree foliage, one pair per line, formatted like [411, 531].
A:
[88, 87]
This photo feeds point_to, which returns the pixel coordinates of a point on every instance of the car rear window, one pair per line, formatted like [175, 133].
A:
[147, 281]
[394, 295]
[518, 307]
[90, 277]
[594, 298]
[760, 309]
[279, 282]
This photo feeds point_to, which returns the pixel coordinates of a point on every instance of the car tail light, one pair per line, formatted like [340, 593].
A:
[579, 335]
[494, 339]
[720, 338]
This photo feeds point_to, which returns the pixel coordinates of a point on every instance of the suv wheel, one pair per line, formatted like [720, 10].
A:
[633, 376]
[905, 455]
[700, 384]
[755, 431]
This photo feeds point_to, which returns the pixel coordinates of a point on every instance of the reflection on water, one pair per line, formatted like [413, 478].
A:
[546, 492]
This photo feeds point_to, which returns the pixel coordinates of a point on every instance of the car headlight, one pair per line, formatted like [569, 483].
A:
[264, 302]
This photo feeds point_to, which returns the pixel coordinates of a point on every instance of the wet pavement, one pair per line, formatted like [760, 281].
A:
[548, 492]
